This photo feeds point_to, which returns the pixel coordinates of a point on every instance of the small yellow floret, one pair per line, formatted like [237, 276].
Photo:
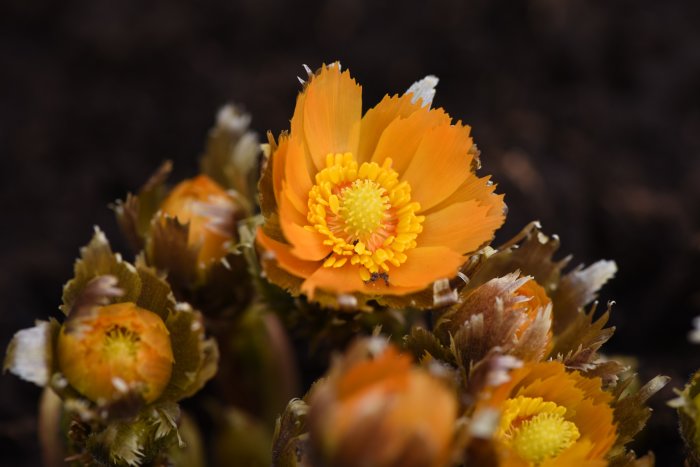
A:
[535, 429]
[544, 436]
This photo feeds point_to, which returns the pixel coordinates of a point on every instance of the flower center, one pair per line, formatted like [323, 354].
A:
[366, 214]
[536, 430]
[362, 206]
[120, 344]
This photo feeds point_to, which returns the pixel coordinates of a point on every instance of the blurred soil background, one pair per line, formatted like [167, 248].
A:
[587, 114]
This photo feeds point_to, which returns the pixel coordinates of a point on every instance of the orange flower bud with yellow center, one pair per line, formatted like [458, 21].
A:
[381, 204]
[210, 212]
[382, 412]
[119, 347]
[551, 417]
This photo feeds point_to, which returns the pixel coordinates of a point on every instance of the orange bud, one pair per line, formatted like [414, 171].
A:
[210, 212]
[537, 300]
[382, 412]
[118, 347]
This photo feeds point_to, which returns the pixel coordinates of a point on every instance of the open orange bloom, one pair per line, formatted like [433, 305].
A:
[210, 212]
[382, 412]
[551, 417]
[384, 203]
[121, 347]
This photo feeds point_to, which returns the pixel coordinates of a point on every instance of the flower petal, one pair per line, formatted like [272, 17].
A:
[296, 169]
[332, 112]
[479, 189]
[339, 280]
[278, 163]
[425, 265]
[284, 257]
[401, 138]
[463, 227]
[378, 118]
[440, 165]
[306, 244]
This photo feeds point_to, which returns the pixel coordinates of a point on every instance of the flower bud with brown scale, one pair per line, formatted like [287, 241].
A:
[512, 312]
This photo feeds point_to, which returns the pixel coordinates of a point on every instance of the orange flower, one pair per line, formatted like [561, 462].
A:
[210, 212]
[382, 412]
[384, 203]
[119, 347]
[552, 417]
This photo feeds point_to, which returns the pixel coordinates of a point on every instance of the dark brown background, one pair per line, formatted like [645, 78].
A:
[587, 113]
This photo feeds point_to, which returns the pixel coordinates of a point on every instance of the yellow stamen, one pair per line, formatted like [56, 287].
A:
[536, 430]
[366, 214]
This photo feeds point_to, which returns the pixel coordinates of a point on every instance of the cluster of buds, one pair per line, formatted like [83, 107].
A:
[355, 276]
[122, 358]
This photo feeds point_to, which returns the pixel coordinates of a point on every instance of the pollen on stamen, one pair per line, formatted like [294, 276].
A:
[365, 213]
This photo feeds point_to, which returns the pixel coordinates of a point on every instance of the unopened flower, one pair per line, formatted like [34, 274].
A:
[118, 347]
[209, 211]
[189, 232]
[512, 312]
[380, 204]
[551, 417]
[381, 411]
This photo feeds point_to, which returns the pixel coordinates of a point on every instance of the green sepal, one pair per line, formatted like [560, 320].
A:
[290, 442]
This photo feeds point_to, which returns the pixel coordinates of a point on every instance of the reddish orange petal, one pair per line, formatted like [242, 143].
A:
[306, 244]
[297, 168]
[290, 207]
[332, 112]
[390, 368]
[339, 280]
[378, 118]
[480, 189]
[425, 265]
[463, 227]
[440, 165]
[401, 138]
[278, 163]
[284, 256]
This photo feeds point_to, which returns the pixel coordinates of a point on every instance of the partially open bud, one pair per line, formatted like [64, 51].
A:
[121, 347]
[190, 233]
[210, 212]
[381, 411]
[512, 312]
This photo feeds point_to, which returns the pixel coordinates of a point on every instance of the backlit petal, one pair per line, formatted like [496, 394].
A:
[332, 112]
[464, 227]
[440, 165]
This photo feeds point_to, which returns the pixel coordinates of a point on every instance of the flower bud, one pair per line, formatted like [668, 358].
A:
[210, 212]
[118, 348]
[382, 412]
[511, 312]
